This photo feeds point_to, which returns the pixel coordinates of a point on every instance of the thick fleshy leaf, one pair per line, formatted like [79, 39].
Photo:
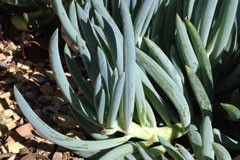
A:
[103, 68]
[60, 139]
[185, 47]
[207, 138]
[233, 111]
[145, 154]
[208, 11]
[129, 65]
[154, 97]
[224, 30]
[200, 94]
[225, 140]
[84, 86]
[120, 151]
[204, 63]
[221, 152]
[170, 149]
[140, 100]
[114, 40]
[148, 19]
[185, 153]
[65, 21]
[89, 34]
[164, 62]
[63, 83]
[188, 8]
[73, 16]
[195, 140]
[89, 64]
[168, 86]
[115, 100]
[169, 25]
[140, 18]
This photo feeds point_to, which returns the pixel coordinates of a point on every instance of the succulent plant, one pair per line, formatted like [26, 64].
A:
[153, 77]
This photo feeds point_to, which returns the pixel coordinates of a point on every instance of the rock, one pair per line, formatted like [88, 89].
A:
[39, 78]
[57, 156]
[19, 65]
[16, 117]
[30, 95]
[65, 121]
[12, 69]
[46, 89]
[24, 151]
[76, 134]
[19, 77]
[25, 67]
[2, 57]
[25, 131]
[44, 99]
[10, 125]
[50, 75]
[3, 149]
[5, 95]
[14, 147]
[1, 46]
[33, 156]
[7, 113]
[13, 157]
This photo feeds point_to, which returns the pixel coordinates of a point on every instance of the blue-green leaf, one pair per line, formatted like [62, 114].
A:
[232, 111]
[63, 83]
[188, 8]
[225, 30]
[140, 100]
[129, 65]
[187, 53]
[195, 140]
[154, 97]
[208, 11]
[65, 21]
[84, 86]
[200, 94]
[164, 62]
[185, 153]
[170, 149]
[221, 152]
[204, 63]
[145, 154]
[115, 100]
[60, 139]
[140, 18]
[225, 140]
[168, 86]
[207, 138]
[120, 151]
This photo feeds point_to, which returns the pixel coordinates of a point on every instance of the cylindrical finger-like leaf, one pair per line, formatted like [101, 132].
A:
[168, 86]
[204, 63]
[224, 30]
[221, 152]
[60, 139]
[129, 65]
[183, 42]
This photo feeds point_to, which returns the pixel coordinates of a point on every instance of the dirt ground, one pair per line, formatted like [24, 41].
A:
[29, 71]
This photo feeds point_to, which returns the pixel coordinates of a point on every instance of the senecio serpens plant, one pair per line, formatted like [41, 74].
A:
[153, 78]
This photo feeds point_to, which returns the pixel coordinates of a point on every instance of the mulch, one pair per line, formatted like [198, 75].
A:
[34, 79]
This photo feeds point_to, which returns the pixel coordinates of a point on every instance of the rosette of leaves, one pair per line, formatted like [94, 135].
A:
[151, 89]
